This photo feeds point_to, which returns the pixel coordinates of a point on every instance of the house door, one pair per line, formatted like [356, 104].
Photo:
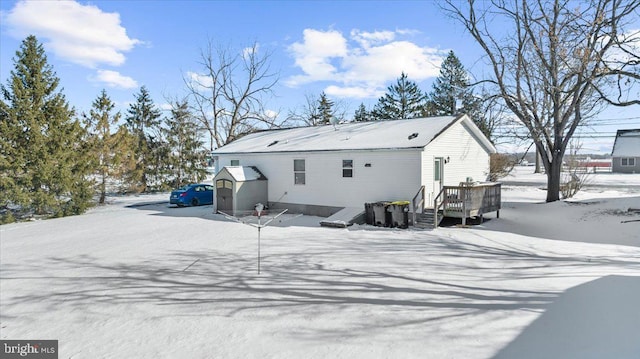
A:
[224, 195]
[438, 175]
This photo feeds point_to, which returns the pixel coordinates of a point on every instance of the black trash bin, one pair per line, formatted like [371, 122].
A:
[381, 217]
[399, 213]
[368, 214]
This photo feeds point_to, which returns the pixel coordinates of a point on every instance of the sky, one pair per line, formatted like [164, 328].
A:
[351, 50]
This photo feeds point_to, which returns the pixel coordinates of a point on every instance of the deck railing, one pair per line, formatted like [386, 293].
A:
[417, 203]
[469, 200]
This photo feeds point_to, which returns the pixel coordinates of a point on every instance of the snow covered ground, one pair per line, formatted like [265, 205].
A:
[523, 175]
[139, 279]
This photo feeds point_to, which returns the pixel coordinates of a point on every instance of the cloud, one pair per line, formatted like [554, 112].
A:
[353, 92]
[115, 79]
[250, 51]
[366, 39]
[82, 34]
[620, 55]
[362, 65]
[271, 113]
[201, 82]
[314, 55]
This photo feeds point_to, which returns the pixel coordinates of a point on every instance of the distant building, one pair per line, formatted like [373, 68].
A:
[626, 152]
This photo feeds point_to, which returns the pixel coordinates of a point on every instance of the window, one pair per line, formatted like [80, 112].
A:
[437, 167]
[347, 168]
[235, 162]
[299, 172]
[628, 162]
[224, 184]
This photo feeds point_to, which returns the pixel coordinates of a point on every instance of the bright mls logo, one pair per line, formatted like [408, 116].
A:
[41, 349]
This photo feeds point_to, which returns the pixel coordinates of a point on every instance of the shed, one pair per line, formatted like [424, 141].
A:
[321, 170]
[239, 188]
[626, 152]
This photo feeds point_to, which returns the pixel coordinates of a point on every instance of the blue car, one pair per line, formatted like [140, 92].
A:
[192, 195]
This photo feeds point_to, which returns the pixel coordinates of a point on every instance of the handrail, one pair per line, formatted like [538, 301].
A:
[436, 207]
[461, 200]
[414, 206]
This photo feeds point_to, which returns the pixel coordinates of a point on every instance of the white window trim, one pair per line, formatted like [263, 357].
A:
[304, 172]
[347, 168]
[629, 159]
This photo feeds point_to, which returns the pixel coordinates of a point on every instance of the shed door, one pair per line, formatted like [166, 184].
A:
[224, 194]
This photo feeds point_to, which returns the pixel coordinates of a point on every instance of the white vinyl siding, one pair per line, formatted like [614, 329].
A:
[381, 176]
[463, 157]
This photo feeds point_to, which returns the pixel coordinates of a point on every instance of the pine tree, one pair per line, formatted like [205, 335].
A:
[110, 151]
[451, 89]
[143, 121]
[361, 114]
[325, 109]
[43, 159]
[159, 171]
[126, 144]
[402, 101]
[187, 159]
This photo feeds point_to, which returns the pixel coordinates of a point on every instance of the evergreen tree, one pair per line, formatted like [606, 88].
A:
[361, 114]
[143, 121]
[111, 152]
[158, 170]
[451, 90]
[187, 159]
[325, 109]
[126, 161]
[402, 101]
[43, 159]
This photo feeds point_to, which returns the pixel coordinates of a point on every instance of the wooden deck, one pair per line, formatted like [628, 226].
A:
[464, 201]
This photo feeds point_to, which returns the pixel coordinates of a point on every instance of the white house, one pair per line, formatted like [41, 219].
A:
[320, 170]
[626, 152]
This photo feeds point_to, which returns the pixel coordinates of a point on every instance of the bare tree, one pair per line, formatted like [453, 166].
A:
[228, 97]
[576, 173]
[306, 114]
[557, 65]
[310, 114]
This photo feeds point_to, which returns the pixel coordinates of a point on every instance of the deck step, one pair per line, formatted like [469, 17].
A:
[425, 219]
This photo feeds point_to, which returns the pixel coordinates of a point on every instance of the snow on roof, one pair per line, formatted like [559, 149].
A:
[244, 173]
[627, 143]
[414, 133]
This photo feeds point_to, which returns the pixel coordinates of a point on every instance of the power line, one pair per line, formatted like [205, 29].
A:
[618, 118]
[574, 136]
[607, 124]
